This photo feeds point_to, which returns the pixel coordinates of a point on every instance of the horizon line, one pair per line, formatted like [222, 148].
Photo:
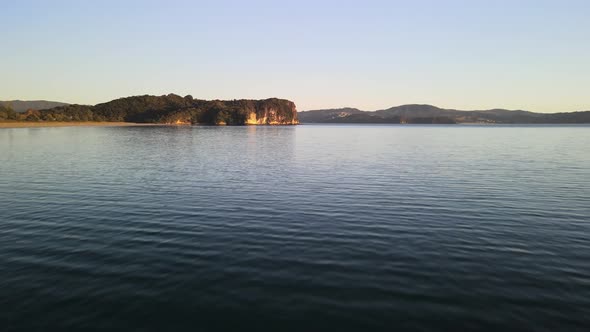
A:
[307, 110]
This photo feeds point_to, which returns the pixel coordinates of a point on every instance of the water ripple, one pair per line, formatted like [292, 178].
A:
[420, 228]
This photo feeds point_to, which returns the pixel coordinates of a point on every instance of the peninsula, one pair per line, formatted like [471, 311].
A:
[167, 109]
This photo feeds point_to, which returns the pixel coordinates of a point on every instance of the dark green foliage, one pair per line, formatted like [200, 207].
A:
[7, 113]
[63, 113]
[141, 108]
[171, 109]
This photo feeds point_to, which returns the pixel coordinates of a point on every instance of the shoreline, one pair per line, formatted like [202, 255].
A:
[26, 124]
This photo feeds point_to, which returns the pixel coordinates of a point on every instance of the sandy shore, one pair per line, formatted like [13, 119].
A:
[70, 124]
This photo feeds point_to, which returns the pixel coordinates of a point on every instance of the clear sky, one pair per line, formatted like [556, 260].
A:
[471, 54]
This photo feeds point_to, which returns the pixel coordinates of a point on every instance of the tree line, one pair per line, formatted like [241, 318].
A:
[7, 113]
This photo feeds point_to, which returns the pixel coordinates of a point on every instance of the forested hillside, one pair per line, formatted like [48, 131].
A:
[171, 109]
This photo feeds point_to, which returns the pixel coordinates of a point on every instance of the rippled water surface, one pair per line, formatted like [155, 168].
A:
[308, 228]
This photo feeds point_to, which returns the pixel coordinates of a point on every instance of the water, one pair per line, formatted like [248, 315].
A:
[306, 228]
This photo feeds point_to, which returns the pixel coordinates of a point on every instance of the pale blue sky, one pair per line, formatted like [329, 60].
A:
[532, 55]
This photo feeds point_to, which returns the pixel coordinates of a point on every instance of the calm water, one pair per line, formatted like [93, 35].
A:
[308, 228]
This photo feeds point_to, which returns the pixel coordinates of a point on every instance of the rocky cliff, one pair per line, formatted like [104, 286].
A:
[173, 109]
[272, 112]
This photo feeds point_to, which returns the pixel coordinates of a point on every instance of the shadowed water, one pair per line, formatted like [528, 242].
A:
[307, 228]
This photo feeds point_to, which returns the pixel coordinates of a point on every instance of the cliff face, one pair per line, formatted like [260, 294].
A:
[173, 109]
[273, 112]
[245, 112]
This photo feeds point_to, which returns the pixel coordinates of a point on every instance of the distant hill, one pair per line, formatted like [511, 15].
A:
[24, 105]
[416, 113]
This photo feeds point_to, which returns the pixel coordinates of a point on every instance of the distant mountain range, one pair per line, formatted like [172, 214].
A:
[416, 113]
[24, 105]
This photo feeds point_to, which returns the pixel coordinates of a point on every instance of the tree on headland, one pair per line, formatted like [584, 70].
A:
[32, 115]
[7, 113]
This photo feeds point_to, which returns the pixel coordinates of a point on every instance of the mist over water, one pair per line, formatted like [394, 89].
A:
[307, 228]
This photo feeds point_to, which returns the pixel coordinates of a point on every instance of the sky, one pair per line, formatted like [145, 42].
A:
[471, 54]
